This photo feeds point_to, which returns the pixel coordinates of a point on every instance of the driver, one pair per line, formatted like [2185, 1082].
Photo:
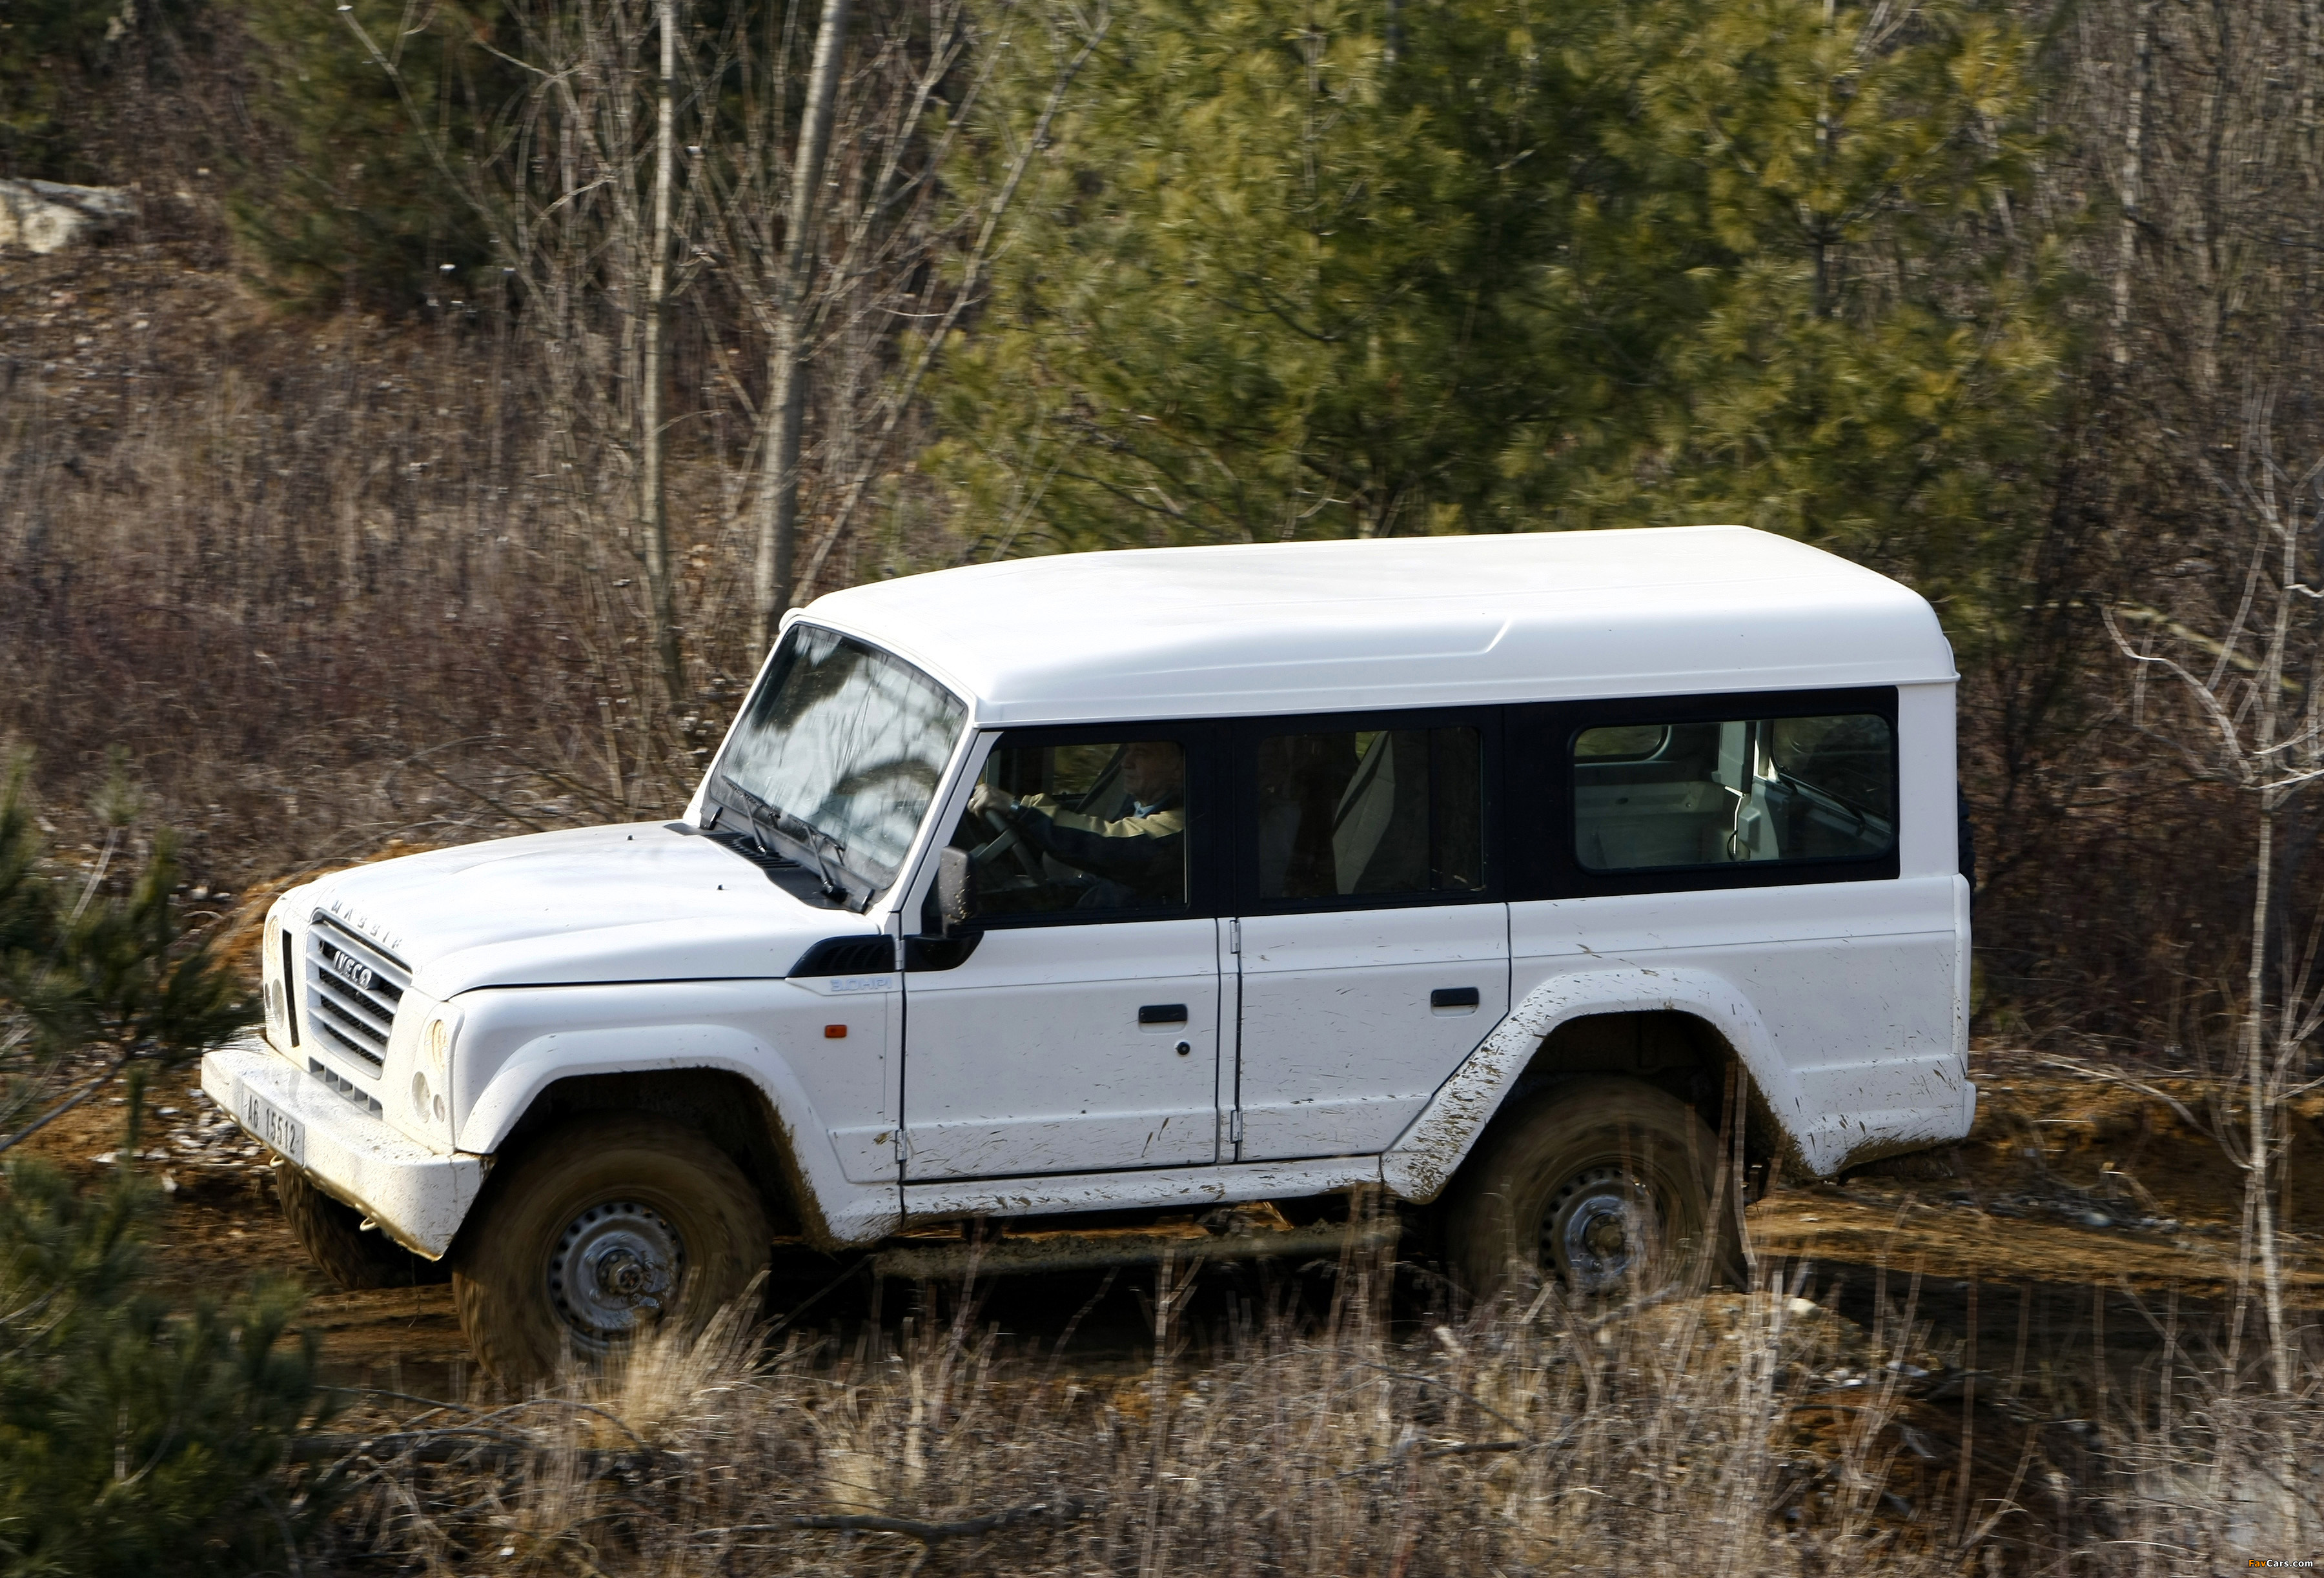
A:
[1141, 852]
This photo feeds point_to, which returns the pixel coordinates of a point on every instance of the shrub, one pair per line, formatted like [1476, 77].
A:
[134, 1440]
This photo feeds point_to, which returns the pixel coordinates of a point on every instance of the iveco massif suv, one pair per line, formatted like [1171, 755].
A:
[1555, 879]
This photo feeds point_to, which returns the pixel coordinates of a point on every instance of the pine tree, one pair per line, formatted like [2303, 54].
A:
[353, 191]
[117, 975]
[1870, 349]
[55, 57]
[1517, 267]
[1268, 289]
[134, 1441]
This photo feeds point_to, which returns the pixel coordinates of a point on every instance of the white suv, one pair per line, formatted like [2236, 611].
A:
[1488, 871]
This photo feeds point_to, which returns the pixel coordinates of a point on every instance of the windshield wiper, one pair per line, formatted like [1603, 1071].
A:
[801, 832]
[832, 888]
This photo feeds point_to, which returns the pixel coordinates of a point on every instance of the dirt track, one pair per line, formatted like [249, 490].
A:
[2079, 1213]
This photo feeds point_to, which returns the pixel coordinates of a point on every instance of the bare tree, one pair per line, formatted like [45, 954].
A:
[866, 214]
[793, 274]
[828, 228]
[653, 503]
[1071, 37]
[2180, 178]
[2127, 192]
[580, 186]
[2252, 716]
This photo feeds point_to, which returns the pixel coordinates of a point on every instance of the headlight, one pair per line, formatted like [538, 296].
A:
[275, 972]
[431, 1073]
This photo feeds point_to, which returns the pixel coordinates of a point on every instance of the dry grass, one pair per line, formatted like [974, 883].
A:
[327, 583]
[1725, 1433]
[283, 565]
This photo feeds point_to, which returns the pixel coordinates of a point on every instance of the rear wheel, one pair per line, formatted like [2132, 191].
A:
[1604, 1184]
[333, 1238]
[605, 1228]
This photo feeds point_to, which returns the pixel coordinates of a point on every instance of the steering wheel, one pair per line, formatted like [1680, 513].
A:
[1006, 841]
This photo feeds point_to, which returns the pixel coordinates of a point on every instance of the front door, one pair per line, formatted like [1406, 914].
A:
[1080, 1030]
[1373, 950]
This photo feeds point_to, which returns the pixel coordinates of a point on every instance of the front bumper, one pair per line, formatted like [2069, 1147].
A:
[418, 1197]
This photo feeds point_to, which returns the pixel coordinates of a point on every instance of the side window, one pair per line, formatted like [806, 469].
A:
[1077, 829]
[1370, 811]
[1663, 795]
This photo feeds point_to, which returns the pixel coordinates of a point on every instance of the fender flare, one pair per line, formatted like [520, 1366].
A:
[1433, 1147]
[833, 1209]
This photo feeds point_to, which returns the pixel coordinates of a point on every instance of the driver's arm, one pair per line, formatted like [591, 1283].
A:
[1079, 839]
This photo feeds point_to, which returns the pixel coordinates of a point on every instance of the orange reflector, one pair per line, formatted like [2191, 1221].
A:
[835, 1032]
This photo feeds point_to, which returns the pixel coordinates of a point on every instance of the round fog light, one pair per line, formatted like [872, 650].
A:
[419, 1094]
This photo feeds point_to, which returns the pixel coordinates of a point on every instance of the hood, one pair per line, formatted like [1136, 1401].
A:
[638, 902]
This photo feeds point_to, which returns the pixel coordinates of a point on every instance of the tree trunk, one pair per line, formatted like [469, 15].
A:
[653, 513]
[787, 371]
[2259, 1201]
[2260, 1095]
[2133, 171]
[980, 253]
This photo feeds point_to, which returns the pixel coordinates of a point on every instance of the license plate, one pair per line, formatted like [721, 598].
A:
[276, 1129]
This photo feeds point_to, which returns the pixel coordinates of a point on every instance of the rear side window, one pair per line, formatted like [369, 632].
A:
[1745, 791]
[1370, 812]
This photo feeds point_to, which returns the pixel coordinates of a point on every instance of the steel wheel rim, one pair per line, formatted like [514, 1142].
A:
[1601, 1230]
[616, 1268]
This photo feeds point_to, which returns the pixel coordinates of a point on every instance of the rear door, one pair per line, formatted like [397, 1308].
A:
[1080, 1030]
[1372, 943]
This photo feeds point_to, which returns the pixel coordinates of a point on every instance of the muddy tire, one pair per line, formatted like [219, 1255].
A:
[1602, 1184]
[332, 1235]
[603, 1228]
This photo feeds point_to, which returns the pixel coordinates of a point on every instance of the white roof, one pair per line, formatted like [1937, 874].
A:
[1397, 622]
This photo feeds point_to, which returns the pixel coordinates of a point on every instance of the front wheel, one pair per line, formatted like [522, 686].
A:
[599, 1231]
[1604, 1184]
[335, 1240]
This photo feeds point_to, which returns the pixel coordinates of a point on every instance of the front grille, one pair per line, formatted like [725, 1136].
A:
[354, 988]
[345, 1087]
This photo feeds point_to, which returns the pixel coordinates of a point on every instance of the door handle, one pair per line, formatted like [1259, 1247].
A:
[1454, 997]
[1162, 1013]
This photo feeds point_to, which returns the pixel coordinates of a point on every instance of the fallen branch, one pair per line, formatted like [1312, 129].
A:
[2093, 1072]
[62, 1107]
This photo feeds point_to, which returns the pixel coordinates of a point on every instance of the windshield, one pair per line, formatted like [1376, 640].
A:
[840, 749]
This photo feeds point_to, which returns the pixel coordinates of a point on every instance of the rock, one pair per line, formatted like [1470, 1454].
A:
[46, 216]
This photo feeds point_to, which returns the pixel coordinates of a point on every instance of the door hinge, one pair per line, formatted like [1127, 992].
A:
[1234, 937]
[1234, 1126]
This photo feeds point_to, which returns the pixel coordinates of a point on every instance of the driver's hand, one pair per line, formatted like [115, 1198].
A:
[986, 799]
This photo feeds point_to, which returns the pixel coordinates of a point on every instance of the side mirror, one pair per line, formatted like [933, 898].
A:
[955, 892]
